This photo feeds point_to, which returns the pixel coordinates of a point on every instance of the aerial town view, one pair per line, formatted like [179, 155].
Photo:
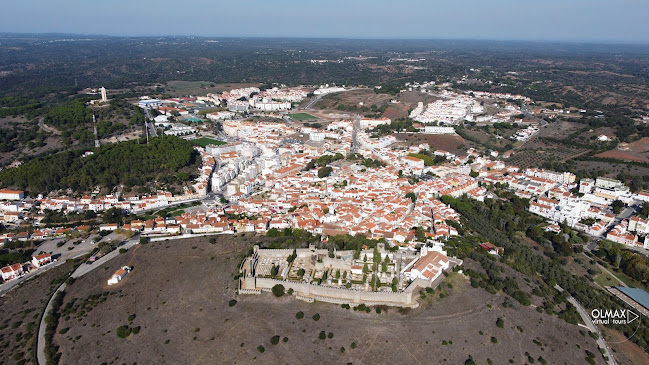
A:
[349, 183]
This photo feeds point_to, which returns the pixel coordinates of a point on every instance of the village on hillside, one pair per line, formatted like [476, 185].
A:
[337, 178]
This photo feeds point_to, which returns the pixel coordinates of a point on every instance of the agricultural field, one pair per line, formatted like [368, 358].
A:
[537, 150]
[204, 141]
[486, 139]
[179, 305]
[560, 129]
[535, 157]
[636, 151]
[444, 142]
[610, 169]
[396, 111]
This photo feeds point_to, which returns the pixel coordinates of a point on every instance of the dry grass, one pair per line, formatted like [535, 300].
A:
[21, 308]
[179, 292]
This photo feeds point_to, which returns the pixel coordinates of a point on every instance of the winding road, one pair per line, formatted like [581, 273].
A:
[80, 271]
[47, 128]
[591, 327]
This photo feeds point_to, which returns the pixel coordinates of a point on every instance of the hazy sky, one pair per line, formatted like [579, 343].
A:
[567, 20]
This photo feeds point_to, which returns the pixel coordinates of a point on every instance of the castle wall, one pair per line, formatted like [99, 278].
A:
[340, 295]
[309, 292]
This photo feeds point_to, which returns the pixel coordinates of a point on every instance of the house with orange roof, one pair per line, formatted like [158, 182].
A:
[492, 249]
[108, 227]
[119, 275]
[42, 259]
[39, 235]
[428, 266]
[11, 272]
[7, 194]
[11, 217]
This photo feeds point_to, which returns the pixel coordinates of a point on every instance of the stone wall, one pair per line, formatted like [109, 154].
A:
[310, 292]
[340, 295]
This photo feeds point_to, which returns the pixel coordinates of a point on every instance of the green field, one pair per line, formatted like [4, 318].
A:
[204, 141]
[605, 279]
[302, 116]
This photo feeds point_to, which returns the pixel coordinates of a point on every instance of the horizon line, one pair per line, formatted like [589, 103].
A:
[464, 39]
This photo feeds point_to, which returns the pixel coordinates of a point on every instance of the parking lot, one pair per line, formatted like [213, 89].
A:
[61, 250]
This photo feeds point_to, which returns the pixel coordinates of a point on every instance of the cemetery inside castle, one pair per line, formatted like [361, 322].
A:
[371, 276]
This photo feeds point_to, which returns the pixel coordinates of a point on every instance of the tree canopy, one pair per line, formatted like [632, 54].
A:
[130, 163]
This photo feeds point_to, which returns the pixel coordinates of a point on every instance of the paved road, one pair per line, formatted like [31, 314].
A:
[150, 126]
[80, 271]
[84, 268]
[626, 213]
[151, 129]
[67, 251]
[591, 326]
[6, 287]
[47, 128]
[313, 101]
[542, 122]
[356, 126]
[40, 345]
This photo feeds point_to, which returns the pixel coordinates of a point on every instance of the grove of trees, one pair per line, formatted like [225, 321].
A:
[503, 223]
[132, 163]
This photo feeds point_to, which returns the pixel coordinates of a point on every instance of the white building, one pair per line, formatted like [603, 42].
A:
[238, 106]
[428, 266]
[562, 177]
[42, 259]
[328, 90]
[439, 130]
[418, 110]
[6, 194]
[220, 115]
[179, 129]
[149, 103]
[586, 186]
[416, 164]
[603, 182]
[450, 111]
[267, 104]
[10, 272]
[317, 136]
[119, 275]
